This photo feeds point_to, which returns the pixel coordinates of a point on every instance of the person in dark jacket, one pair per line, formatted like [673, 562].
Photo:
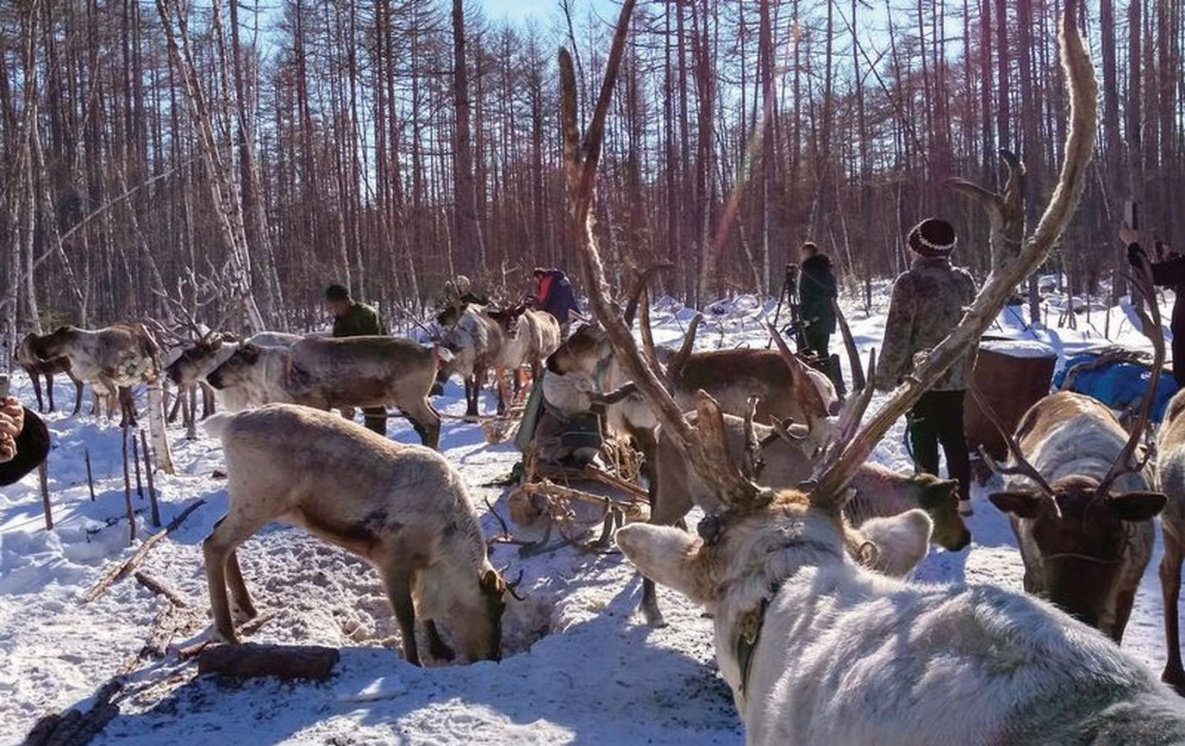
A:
[24, 441]
[816, 291]
[354, 319]
[1168, 270]
[555, 295]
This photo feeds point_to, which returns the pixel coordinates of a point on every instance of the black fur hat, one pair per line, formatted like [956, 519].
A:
[933, 237]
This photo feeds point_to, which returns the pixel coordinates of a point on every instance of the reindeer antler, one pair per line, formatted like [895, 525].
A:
[1145, 287]
[1021, 466]
[706, 449]
[1083, 96]
[808, 397]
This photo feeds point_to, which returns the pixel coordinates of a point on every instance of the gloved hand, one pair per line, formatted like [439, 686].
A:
[1136, 256]
[12, 421]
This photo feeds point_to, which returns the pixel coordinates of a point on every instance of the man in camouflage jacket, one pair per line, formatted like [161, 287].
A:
[354, 319]
[927, 304]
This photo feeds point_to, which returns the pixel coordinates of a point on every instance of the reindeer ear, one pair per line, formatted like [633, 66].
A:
[901, 541]
[491, 582]
[1019, 504]
[667, 556]
[1137, 506]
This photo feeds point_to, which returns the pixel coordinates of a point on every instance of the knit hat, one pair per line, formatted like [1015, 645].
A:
[337, 292]
[933, 238]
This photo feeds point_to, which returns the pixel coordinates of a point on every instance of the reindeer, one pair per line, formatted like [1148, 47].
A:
[112, 359]
[327, 373]
[1081, 511]
[785, 458]
[402, 508]
[817, 649]
[1171, 481]
[37, 368]
[474, 341]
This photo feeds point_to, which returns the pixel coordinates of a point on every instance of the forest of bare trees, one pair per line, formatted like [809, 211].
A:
[238, 156]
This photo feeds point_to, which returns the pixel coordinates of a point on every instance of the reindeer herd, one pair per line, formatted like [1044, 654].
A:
[804, 544]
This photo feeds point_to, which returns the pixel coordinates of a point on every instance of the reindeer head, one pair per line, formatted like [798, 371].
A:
[236, 369]
[196, 360]
[1081, 536]
[480, 631]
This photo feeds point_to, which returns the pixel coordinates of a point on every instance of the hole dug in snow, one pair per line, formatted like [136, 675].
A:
[322, 595]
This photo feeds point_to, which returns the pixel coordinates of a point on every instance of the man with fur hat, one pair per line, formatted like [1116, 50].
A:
[927, 304]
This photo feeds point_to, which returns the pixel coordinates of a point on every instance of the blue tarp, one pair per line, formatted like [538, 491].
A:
[1119, 384]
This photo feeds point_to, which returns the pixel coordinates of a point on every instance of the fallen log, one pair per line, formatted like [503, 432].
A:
[74, 728]
[160, 589]
[121, 570]
[251, 660]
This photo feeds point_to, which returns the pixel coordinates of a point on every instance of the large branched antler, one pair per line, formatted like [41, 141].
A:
[1005, 211]
[1083, 91]
[706, 449]
[1144, 287]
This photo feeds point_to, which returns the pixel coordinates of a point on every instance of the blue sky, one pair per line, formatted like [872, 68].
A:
[540, 10]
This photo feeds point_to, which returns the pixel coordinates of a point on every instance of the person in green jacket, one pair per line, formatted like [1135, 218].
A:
[352, 318]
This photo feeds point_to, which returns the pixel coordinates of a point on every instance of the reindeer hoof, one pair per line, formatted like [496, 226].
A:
[1175, 679]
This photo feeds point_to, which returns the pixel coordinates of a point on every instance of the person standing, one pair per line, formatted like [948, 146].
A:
[354, 319]
[927, 304]
[817, 291]
[555, 295]
[1168, 270]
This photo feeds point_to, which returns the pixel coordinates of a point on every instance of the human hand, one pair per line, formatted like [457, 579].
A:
[1128, 235]
[12, 417]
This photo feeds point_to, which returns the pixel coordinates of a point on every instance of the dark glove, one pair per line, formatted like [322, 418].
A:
[1136, 256]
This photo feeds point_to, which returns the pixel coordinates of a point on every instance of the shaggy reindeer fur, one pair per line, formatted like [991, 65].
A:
[332, 373]
[847, 656]
[401, 507]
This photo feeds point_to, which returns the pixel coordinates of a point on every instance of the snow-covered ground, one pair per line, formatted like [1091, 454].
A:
[580, 665]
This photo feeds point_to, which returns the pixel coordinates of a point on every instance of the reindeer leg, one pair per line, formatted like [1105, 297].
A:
[238, 588]
[36, 379]
[398, 583]
[472, 393]
[425, 420]
[1170, 586]
[127, 404]
[500, 385]
[207, 400]
[218, 549]
[77, 395]
[178, 403]
[436, 644]
[48, 390]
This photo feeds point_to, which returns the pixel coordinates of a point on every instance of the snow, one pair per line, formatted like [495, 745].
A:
[580, 664]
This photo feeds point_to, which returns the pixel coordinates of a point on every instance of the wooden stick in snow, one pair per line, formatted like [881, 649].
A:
[43, 478]
[136, 465]
[121, 570]
[159, 588]
[90, 479]
[151, 484]
[127, 487]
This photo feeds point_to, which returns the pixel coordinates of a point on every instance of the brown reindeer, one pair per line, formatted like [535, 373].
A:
[112, 359]
[1078, 497]
[37, 368]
